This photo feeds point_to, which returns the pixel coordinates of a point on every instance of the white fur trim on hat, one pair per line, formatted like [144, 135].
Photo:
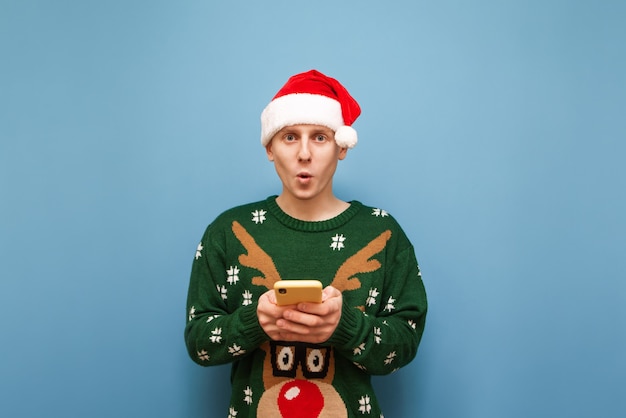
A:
[302, 108]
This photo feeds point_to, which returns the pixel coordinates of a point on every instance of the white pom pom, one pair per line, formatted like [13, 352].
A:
[345, 137]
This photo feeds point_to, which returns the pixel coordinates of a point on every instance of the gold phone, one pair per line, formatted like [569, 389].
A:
[291, 292]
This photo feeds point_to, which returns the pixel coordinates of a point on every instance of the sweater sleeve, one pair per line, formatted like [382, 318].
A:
[213, 335]
[381, 341]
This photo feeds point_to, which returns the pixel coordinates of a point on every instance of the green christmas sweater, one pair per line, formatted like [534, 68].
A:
[363, 252]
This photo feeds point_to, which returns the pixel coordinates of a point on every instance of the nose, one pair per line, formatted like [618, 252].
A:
[304, 152]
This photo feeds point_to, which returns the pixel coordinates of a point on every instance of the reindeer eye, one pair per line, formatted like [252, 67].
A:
[285, 359]
[315, 361]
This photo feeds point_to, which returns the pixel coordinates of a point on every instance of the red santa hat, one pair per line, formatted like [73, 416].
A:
[315, 99]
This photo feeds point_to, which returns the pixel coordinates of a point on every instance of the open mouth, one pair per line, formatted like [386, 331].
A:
[304, 176]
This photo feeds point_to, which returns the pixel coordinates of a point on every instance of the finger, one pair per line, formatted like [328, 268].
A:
[329, 306]
[309, 338]
[304, 318]
[288, 327]
[329, 292]
[271, 296]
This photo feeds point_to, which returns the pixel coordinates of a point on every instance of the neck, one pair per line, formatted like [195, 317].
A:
[316, 209]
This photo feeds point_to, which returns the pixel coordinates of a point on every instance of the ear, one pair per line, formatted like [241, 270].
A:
[342, 153]
[268, 150]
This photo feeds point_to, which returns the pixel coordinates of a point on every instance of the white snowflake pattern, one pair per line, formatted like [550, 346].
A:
[247, 298]
[248, 395]
[199, 251]
[359, 350]
[236, 350]
[364, 405]
[380, 212]
[192, 313]
[258, 216]
[232, 413]
[371, 298]
[412, 324]
[360, 366]
[212, 317]
[222, 290]
[389, 306]
[337, 243]
[216, 336]
[390, 357]
[233, 275]
[203, 355]
[377, 334]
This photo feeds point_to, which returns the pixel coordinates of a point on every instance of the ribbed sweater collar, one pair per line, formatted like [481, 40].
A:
[312, 226]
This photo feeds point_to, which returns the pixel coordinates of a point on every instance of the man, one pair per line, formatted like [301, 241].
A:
[309, 359]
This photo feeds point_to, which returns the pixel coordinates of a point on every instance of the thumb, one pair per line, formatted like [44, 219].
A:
[330, 292]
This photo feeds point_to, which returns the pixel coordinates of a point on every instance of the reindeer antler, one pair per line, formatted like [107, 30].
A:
[344, 279]
[360, 263]
[256, 258]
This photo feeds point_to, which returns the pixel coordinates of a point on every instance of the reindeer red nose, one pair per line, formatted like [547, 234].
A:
[300, 399]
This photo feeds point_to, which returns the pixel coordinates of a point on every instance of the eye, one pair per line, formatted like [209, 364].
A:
[315, 361]
[320, 138]
[289, 137]
[285, 359]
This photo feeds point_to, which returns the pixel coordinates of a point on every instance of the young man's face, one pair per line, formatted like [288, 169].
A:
[305, 158]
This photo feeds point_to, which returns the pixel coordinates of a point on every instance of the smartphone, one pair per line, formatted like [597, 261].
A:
[291, 292]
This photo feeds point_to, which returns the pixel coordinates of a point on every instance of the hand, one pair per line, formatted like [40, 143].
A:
[269, 313]
[305, 322]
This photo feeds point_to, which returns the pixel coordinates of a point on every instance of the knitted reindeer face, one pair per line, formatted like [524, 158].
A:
[298, 376]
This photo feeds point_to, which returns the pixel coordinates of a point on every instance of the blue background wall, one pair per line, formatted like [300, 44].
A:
[493, 130]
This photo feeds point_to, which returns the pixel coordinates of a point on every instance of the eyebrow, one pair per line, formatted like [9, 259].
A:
[323, 131]
[295, 131]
